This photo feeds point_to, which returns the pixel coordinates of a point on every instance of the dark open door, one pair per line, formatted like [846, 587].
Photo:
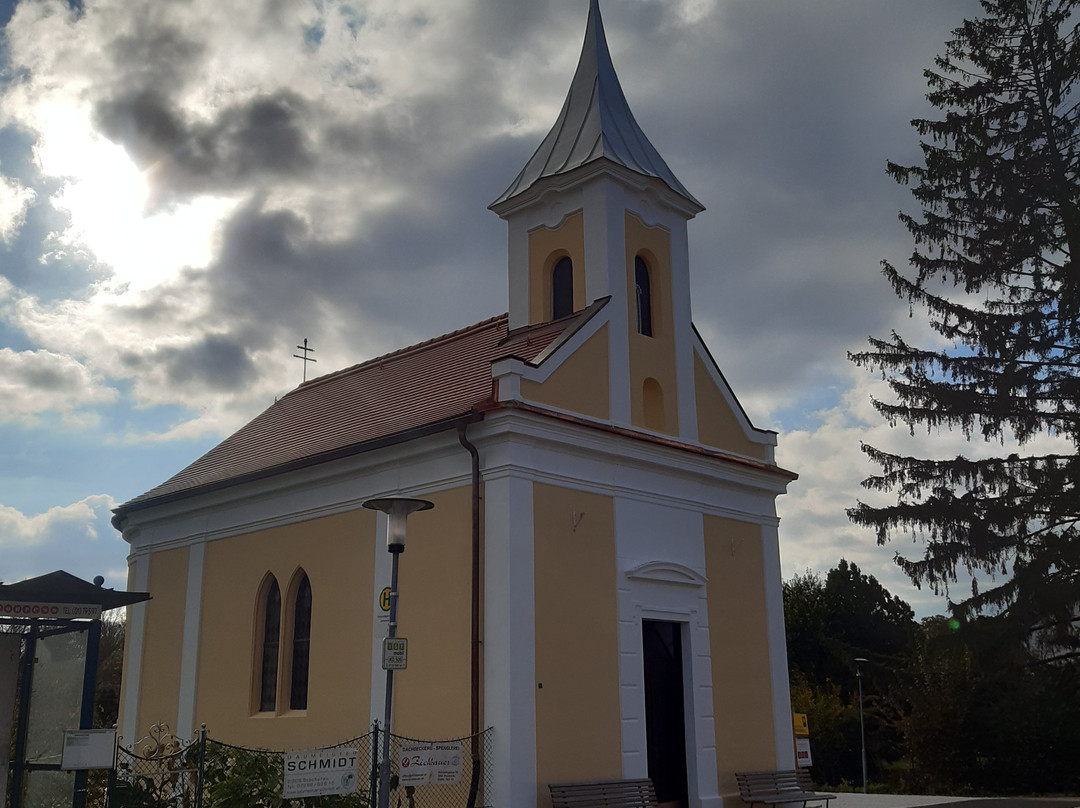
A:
[665, 717]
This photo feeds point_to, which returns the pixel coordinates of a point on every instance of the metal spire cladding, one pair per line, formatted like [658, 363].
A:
[595, 123]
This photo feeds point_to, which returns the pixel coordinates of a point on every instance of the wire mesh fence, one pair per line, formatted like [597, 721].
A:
[167, 772]
[466, 779]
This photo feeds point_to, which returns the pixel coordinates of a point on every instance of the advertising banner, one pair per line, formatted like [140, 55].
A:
[61, 611]
[423, 763]
[316, 772]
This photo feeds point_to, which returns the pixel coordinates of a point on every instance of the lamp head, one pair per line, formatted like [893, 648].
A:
[397, 509]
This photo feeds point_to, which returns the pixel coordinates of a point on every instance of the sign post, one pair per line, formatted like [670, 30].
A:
[802, 741]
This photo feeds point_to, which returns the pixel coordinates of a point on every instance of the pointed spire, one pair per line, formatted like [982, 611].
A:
[595, 122]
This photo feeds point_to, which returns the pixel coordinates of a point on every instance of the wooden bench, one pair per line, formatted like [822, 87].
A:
[604, 794]
[779, 787]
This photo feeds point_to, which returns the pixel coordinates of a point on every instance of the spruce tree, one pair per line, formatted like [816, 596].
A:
[993, 269]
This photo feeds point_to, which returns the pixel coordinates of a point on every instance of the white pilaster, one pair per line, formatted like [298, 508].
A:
[605, 268]
[778, 663]
[189, 658]
[133, 651]
[517, 255]
[510, 637]
[684, 345]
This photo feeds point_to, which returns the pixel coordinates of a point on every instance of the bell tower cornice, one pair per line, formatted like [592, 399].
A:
[545, 190]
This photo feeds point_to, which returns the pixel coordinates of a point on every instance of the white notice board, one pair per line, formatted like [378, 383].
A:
[89, 749]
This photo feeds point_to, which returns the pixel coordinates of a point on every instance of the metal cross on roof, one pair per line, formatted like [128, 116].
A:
[306, 350]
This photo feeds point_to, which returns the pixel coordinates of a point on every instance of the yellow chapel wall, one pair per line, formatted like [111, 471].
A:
[577, 650]
[580, 384]
[651, 357]
[432, 697]
[163, 641]
[336, 552]
[717, 424]
[739, 638]
[546, 246]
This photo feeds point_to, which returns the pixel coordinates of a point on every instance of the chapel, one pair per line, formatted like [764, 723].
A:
[599, 579]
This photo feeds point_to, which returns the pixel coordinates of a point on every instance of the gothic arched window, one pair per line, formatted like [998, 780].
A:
[271, 633]
[301, 645]
[562, 288]
[643, 295]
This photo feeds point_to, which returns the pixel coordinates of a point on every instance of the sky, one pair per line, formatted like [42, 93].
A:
[190, 188]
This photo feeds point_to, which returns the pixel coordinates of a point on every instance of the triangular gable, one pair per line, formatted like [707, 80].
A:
[517, 379]
[764, 438]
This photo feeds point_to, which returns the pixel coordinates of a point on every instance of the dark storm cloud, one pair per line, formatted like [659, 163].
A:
[215, 363]
[786, 145]
[401, 268]
[154, 54]
[262, 138]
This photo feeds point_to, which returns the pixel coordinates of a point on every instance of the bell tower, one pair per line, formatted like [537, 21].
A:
[597, 214]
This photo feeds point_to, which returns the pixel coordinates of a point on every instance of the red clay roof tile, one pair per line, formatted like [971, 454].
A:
[424, 385]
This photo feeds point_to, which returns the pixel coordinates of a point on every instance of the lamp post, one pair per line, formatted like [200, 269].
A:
[862, 727]
[398, 510]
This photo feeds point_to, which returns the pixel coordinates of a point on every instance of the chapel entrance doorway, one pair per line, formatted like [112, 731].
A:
[665, 710]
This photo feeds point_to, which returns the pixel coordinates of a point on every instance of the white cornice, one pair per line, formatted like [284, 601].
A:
[422, 466]
[511, 441]
[635, 183]
[580, 439]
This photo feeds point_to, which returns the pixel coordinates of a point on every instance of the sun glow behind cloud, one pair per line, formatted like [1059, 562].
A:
[106, 197]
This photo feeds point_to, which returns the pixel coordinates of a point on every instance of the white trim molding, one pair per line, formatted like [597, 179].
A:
[667, 572]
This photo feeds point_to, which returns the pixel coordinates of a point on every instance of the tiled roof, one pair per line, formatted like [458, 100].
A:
[595, 122]
[419, 387]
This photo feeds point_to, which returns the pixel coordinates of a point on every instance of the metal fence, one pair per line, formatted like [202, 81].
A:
[471, 790]
[160, 770]
[166, 772]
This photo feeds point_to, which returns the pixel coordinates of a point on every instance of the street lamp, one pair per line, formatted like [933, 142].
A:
[398, 510]
[862, 726]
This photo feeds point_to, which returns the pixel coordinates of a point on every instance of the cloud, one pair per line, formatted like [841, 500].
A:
[14, 199]
[42, 528]
[330, 171]
[259, 140]
[36, 382]
[69, 537]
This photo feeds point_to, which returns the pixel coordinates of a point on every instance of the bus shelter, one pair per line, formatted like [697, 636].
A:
[50, 629]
